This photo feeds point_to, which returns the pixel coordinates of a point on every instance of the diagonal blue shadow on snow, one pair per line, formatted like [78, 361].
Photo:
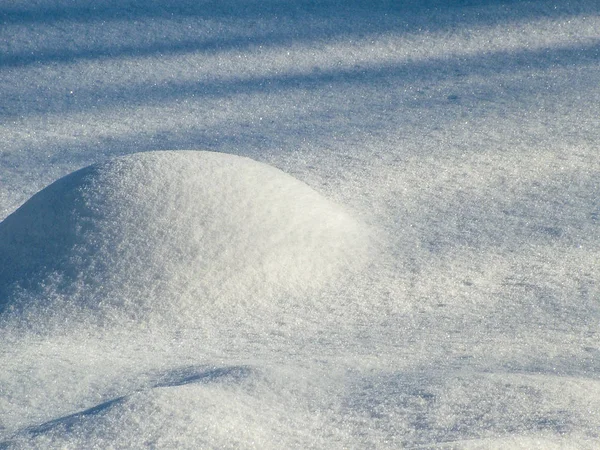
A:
[202, 375]
[173, 378]
[290, 23]
[94, 11]
[489, 64]
[67, 422]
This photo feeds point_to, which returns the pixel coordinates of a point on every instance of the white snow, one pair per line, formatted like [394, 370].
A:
[391, 240]
[166, 238]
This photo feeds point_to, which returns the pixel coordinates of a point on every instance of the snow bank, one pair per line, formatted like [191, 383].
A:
[172, 237]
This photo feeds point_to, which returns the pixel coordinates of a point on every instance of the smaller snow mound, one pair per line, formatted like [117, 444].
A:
[171, 237]
[259, 410]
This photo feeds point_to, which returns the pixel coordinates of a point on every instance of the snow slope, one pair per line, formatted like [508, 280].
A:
[409, 258]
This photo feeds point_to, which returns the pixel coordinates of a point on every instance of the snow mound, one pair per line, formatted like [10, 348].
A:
[172, 237]
[223, 407]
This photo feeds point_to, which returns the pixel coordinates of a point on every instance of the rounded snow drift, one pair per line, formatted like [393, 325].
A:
[171, 236]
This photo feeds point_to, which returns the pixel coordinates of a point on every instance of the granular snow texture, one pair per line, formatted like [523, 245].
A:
[392, 241]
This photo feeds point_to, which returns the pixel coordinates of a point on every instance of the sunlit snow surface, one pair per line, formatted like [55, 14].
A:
[393, 239]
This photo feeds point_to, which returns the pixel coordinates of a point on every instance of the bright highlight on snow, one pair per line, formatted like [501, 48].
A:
[172, 238]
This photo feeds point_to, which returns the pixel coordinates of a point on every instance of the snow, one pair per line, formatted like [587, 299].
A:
[389, 239]
[170, 237]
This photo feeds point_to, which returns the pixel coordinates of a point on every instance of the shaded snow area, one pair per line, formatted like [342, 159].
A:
[299, 224]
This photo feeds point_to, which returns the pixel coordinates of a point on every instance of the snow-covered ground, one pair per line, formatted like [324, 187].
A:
[395, 245]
